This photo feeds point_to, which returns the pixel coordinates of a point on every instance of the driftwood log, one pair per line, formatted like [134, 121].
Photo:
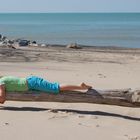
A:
[121, 97]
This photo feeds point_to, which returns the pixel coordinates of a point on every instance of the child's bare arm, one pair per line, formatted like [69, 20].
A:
[2, 94]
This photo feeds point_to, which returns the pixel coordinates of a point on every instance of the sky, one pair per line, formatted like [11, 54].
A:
[44, 6]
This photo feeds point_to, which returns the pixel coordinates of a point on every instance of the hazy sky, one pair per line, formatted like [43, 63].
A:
[69, 5]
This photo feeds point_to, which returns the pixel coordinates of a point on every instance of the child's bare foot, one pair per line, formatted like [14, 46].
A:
[84, 86]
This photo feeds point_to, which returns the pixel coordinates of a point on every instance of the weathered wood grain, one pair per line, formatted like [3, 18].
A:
[120, 97]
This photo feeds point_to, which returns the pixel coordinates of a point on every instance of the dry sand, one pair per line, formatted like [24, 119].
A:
[103, 68]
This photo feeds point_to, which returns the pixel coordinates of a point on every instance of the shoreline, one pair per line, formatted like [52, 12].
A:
[19, 42]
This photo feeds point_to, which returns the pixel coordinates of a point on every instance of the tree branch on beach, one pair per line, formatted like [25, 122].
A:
[120, 97]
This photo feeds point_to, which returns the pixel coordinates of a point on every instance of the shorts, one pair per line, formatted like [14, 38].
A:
[40, 84]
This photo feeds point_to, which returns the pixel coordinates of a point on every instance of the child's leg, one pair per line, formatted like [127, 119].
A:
[83, 86]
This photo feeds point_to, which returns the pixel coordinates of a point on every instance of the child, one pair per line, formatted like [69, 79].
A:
[11, 84]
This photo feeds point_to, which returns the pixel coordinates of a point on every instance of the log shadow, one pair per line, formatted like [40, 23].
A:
[82, 112]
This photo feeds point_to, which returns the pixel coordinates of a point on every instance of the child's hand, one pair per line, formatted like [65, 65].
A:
[2, 94]
[2, 100]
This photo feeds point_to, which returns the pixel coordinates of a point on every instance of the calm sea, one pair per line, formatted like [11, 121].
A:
[103, 29]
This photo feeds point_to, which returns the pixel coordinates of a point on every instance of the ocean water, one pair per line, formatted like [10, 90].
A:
[101, 29]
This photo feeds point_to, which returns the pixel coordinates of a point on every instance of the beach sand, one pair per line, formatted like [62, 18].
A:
[103, 68]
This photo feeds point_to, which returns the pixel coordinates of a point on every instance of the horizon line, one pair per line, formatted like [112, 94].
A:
[63, 12]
